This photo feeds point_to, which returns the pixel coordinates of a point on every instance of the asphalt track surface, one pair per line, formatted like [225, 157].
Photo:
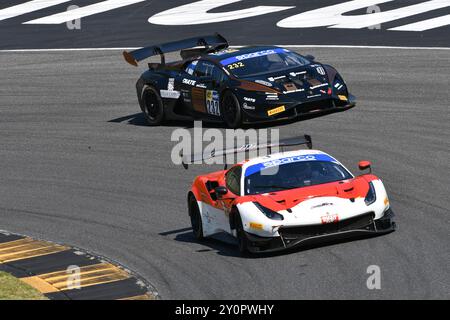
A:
[79, 166]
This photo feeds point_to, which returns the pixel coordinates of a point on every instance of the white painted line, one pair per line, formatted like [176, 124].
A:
[336, 16]
[425, 24]
[198, 12]
[27, 7]
[285, 46]
[362, 47]
[85, 11]
[68, 49]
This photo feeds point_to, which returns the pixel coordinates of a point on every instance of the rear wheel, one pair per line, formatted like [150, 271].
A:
[241, 236]
[196, 218]
[230, 109]
[152, 106]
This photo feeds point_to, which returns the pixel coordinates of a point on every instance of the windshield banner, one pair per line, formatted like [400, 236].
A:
[252, 55]
[278, 162]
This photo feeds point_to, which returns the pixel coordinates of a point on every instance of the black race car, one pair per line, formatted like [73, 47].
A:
[235, 85]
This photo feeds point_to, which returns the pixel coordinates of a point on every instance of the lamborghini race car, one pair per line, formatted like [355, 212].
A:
[251, 84]
[288, 199]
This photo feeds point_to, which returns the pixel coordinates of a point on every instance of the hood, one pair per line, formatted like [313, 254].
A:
[309, 80]
[286, 199]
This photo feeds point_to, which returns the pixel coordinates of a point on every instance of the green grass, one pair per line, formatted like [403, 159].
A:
[12, 288]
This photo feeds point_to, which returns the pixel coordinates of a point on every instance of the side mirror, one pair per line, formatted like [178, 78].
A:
[363, 165]
[220, 191]
[310, 57]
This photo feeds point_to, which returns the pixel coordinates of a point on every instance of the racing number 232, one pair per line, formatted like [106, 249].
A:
[235, 65]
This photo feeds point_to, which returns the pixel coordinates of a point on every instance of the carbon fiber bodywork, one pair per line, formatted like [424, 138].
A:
[303, 236]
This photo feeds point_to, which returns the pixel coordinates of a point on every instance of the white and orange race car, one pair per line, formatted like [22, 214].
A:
[288, 199]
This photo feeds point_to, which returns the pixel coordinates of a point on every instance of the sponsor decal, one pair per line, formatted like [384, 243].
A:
[222, 52]
[314, 96]
[257, 226]
[249, 99]
[201, 85]
[212, 102]
[322, 205]
[329, 218]
[271, 96]
[319, 86]
[189, 82]
[278, 162]
[292, 159]
[246, 106]
[279, 109]
[294, 74]
[276, 78]
[342, 97]
[251, 55]
[320, 70]
[171, 94]
[264, 83]
[292, 91]
[171, 84]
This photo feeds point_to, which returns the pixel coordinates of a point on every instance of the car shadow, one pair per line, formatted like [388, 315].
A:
[138, 119]
[225, 245]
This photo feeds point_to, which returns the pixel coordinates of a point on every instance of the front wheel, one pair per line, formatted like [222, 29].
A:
[230, 109]
[241, 236]
[196, 219]
[152, 106]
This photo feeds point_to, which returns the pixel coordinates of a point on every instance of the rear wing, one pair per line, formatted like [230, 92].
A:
[287, 142]
[211, 43]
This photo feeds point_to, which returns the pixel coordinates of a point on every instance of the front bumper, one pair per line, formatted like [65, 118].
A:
[295, 110]
[290, 237]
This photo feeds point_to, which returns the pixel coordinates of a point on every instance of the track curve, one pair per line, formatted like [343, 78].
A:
[79, 165]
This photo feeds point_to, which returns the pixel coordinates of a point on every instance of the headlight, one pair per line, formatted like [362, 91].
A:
[371, 196]
[268, 212]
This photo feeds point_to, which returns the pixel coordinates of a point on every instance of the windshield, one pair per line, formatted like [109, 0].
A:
[270, 60]
[261, 179]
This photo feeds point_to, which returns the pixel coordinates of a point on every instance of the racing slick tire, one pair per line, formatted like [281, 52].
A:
[152, 106]
[230, 109]
[241, 237]
[196, 218]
